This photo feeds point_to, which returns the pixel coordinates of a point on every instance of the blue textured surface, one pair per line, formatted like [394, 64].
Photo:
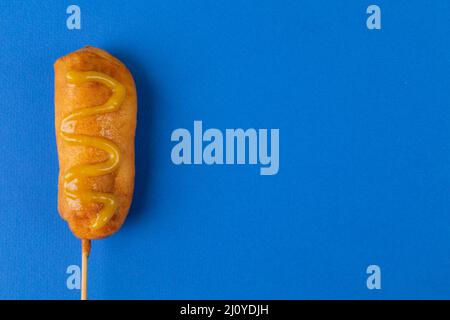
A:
[364, 177]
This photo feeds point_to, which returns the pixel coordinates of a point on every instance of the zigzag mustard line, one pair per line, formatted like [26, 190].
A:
[75, 174]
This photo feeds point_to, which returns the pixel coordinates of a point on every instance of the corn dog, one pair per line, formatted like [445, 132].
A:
[95, 121]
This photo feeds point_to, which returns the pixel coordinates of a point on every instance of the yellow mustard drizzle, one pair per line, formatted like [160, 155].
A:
[74, 175]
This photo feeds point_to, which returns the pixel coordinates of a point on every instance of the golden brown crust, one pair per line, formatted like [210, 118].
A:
[118, 127]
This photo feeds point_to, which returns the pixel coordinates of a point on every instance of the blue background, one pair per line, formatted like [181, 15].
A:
[364, 176]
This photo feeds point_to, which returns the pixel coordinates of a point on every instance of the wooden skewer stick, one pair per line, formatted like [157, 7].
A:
[85, 250]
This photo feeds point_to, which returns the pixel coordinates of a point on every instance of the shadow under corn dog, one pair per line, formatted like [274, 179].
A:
[146, 133]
